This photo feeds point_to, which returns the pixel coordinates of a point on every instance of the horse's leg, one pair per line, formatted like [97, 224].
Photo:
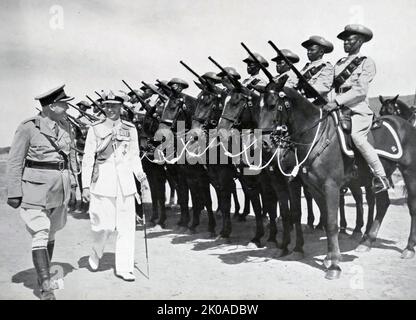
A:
[183, 200]
[295, 189]
[309, 204]
[246, 210]
[236, 202]
[343, 222]
[269, 202]
[357, 194]
[253, 192]
[225, 186]
[171, 177]
[328, 201]
[382, 203]
[409, 177]
[371, 203]
[207, 201]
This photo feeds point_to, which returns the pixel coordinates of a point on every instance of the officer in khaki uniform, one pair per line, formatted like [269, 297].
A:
[111, 160]
[318, 73]
[352, 77]
[283, 69]
[39, 179]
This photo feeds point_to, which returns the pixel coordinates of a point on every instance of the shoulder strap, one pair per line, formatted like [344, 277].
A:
[348, 70]
[313, 71]
[59, 150]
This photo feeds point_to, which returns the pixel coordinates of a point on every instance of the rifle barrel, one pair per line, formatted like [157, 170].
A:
[298, 74]
[262, 67]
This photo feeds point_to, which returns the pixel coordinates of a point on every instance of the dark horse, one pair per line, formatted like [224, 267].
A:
[396, 107]
[325, 169]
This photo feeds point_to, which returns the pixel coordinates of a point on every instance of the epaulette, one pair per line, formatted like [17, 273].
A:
[341, 60]
[34, 119]
[97, 122]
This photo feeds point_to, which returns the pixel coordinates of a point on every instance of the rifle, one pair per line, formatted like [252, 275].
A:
[160, 94]
[234, 81]
[262, 67]
[86, 115]
[96, 105]
[165, 87]
[147, 106]
[203, 81]
[75, 121]
[301, 78]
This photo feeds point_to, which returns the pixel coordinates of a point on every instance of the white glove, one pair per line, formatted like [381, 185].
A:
[145, 190]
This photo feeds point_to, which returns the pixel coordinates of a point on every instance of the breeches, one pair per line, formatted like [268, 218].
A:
[360, 127]
[42, 224]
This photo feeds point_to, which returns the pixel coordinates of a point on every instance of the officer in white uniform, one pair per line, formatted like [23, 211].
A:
[111, 160]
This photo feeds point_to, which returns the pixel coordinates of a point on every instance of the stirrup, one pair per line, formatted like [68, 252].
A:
[380, 184]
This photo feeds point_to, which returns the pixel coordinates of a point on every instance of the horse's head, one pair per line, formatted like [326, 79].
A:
[208, 110]
[395, 107]
[171, 112]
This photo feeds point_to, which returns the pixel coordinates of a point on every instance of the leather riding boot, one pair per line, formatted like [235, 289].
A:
[50, 246]
[41, 262]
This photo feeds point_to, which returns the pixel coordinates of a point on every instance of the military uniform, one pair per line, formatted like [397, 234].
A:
[111, 160]
[292, 79]
[39, 174]
[352, 93]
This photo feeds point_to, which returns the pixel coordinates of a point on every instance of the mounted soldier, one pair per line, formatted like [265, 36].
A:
[353, 75]
[253, 69]
[283, 69]
[39, 179]
[318, 73]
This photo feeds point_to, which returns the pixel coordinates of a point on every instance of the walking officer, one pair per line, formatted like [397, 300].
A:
[111, 161]
[353, 75]
[39, 178]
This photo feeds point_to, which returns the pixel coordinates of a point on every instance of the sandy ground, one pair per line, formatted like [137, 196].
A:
[195, 267]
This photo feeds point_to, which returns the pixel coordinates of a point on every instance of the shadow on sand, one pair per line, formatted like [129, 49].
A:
[29, 277]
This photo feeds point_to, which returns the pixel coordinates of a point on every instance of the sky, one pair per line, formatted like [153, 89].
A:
[93, 45]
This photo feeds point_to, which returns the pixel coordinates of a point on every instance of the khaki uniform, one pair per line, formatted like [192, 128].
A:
[45, 193]
[292, 80]
[353, 94]
[261, 81]
[323, 79]
[113, 189]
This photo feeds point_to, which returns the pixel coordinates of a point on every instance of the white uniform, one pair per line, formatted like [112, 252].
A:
[113, 192]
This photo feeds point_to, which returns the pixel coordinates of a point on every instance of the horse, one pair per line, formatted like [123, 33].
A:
[312, 135]
[397, 107]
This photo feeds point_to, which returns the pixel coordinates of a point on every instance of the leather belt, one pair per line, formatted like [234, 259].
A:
[343, 90]
[47, 165]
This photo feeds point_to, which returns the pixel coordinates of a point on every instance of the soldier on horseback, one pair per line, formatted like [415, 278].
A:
[283, 69]
[353, 75]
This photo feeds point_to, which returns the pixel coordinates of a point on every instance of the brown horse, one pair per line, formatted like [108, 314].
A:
[312, 134]
[396, 107]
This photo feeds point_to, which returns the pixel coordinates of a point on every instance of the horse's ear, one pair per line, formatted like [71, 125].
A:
[395, 98]
[381, 99]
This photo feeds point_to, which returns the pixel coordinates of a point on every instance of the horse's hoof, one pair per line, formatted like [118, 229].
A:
[271, 244]
[327, 263]
[151, 224]
[252, 246]
[343, 231]
[308, 229]
[256, 242]
[407, 254]
[157, 228]
[182, 229]
[191, 231]
[284, 253]
[242, 218]
[334, 272]
[212, 235]
[363, 248]
[222, 239]
[356, 235]
[295, 256]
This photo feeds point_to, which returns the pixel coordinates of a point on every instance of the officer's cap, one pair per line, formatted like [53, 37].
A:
[320, 41]
[259, 58]
[212, 76]
[55, 95]
[292, 57]
[178, 81]
[231, 71]
[84, 103]
[359, 29]
[110, 97]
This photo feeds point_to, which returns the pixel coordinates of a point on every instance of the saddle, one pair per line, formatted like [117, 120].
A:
[382, 136]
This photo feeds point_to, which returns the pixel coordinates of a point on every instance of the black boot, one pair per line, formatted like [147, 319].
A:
[41, 262]
[50, 246]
